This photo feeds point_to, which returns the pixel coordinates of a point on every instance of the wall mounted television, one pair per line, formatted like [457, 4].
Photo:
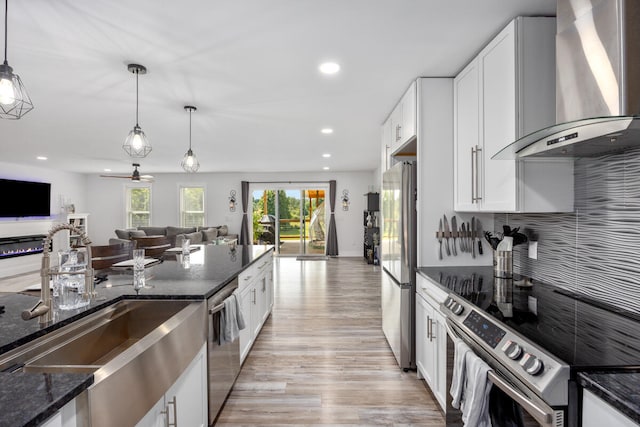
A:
[24, 199]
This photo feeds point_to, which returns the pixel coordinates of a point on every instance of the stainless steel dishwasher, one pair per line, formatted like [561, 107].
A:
[223, 359]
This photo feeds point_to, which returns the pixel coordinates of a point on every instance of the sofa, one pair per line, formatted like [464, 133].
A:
[175, 235]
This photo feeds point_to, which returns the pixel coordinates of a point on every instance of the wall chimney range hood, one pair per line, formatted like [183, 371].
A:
[597, 83]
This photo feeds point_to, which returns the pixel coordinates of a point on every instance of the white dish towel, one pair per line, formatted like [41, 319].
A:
[475, 395]
[232, 318]
[458, 375]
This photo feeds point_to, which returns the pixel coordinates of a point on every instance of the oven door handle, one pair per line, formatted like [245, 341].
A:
[538, 410]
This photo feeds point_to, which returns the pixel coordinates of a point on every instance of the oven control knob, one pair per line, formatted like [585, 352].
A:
[457, 309]
[512, 350]
[531, 364]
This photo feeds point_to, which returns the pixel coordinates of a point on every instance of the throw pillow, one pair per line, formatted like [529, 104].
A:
[174, 231]
[210, 234]
[223, 230]
[122, 234]
[137, 233]
[154, 231]
[195, 237]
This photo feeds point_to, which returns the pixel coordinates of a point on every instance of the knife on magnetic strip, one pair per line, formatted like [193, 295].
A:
[454, 230]
[447, 234]
[473, 236]
[440, 239]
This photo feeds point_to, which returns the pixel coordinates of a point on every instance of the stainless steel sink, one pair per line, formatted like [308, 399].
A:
[136, 349]
[109, 334]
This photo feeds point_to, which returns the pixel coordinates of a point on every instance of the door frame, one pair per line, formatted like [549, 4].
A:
[289, 185]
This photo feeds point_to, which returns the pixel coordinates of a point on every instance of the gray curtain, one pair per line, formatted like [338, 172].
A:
[244, 228]
[332, 238]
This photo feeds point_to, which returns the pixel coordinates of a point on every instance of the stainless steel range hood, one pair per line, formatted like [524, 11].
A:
[597, 83]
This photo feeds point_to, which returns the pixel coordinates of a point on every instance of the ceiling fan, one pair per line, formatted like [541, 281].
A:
[135, 176]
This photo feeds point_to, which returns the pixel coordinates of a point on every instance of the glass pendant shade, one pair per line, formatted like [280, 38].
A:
[189, 162]
[136, 144]
[14, 99]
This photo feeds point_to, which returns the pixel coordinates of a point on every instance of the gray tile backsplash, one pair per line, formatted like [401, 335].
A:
[596, 249]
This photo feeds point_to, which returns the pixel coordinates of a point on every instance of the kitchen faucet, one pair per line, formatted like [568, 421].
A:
[43, 308]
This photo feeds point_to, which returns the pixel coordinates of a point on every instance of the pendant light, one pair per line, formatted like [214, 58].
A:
[137, 145]
[14, 99]
[189, 161]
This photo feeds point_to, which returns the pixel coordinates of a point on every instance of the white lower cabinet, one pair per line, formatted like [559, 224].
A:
[246, 334]
[185, 403]
[256, 300]
[431, 339]
[65, 417]
[597, 413]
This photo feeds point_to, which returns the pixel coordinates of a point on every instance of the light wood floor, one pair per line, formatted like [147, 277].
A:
[322, 359]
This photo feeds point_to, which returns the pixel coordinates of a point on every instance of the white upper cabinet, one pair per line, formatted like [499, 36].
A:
[466, 122]
[407, 130]
[506, 92]
[386, 145]
[400, 128]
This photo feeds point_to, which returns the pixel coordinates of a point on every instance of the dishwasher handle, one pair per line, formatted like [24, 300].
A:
[216, 309]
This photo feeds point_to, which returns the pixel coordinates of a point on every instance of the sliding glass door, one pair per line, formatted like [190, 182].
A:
[292, 217]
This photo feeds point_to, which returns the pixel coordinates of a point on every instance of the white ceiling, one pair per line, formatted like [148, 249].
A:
[250, 66]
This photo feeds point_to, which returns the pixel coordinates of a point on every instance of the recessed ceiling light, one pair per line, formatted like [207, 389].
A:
[329, 68]
[107, 170]
[327, 131]
[327, 155]
[41, 158]
[326, 168]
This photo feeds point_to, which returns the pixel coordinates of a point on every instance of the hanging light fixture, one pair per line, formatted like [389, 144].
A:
[14, 99]
[189, 161]
[137, 145]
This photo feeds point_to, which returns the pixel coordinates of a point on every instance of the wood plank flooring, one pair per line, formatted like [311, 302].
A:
[322, 359]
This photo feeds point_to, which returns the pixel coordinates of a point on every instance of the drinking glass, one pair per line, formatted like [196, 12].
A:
[70, 281]
[138, 269]
[185, 246]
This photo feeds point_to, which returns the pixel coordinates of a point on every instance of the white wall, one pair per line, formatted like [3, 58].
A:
[106, 201]
[70, 186]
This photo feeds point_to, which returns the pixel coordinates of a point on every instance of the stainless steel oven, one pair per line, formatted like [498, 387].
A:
[529, 385]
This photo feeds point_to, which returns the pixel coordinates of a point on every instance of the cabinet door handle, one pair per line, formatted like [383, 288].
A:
[166, 413]
[173, 402]
[254, 296]
[473, 165]
[475, 174]
[428, 328]
[247, 278]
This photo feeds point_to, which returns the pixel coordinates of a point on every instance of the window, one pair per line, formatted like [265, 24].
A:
[192, 206]
[138, 207]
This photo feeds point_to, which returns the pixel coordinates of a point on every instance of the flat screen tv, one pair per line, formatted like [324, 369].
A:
[24, 199]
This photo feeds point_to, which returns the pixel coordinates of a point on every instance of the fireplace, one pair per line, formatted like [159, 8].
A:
[21, 245]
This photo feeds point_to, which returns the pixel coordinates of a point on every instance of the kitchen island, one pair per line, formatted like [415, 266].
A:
[208, 270]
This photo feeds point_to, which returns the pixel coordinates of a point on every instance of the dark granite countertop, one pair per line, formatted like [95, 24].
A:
[579, 342]
[29, 399]
[619, 389]
[210, 269]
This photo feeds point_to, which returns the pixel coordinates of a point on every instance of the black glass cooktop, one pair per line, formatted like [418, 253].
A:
[581, 332]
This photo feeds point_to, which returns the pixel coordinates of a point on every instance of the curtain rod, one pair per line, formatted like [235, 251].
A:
[289, 182]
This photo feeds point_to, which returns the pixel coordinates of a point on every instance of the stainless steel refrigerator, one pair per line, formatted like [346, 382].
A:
[398, 258]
